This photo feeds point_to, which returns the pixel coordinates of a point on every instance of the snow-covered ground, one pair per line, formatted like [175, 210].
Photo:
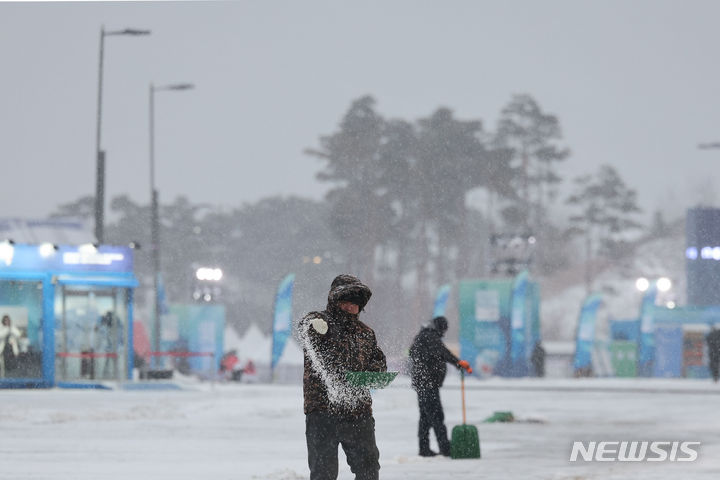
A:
[244, 432]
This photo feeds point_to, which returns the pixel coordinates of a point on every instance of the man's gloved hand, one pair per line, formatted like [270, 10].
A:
[464, 364]
[319, 325]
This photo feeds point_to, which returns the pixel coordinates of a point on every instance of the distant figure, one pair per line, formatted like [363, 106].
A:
[583, 372]
[538, 360]
[249, 372]
[428, 357]
[181, 361]
[227, 365]
[107, 341]
[9, 346]
[713, 342]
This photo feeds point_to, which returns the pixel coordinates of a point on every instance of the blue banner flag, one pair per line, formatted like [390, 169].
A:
[646, 347]
[518, 325]
[162, 297]
[282, 321]
[586, 332]
[441, 300]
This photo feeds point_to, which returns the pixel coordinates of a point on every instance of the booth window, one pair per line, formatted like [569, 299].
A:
[21, 329]
[91, 332]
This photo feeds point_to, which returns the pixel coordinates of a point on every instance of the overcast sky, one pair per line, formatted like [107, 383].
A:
[635, 84]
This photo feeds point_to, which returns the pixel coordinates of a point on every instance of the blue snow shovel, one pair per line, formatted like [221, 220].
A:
[465, 441]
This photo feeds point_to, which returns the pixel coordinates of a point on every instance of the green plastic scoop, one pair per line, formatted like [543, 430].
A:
[370, 379]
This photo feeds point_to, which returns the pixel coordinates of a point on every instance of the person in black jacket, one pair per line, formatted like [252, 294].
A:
[537, 359]
[428, 356]
[713, 342]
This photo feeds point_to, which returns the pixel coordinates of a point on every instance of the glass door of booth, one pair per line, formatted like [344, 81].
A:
[21, 338]
[91, 333]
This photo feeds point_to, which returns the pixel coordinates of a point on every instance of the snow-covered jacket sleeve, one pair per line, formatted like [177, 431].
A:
[446, 354]
[449, 357]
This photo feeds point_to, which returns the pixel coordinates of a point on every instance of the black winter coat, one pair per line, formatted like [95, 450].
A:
[713, 342]
[428, 356]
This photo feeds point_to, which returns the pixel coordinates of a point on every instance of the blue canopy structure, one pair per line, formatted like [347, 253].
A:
[67, 314]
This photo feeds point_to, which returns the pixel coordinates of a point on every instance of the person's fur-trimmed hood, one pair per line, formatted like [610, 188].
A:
[348, 288]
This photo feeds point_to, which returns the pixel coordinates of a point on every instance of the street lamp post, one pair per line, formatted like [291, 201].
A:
[155, 216]
[99, 153]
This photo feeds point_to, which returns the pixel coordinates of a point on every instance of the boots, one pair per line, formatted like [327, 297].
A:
[425, 448]
[445, 448]
[427, 453]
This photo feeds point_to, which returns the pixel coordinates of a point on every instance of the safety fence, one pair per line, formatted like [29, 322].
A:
[86, 369]
[161, 365]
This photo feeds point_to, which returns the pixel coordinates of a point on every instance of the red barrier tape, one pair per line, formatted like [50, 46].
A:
[86, 355]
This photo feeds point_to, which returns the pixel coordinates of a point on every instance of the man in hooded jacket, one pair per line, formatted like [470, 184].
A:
[334, 342]
[428, 358]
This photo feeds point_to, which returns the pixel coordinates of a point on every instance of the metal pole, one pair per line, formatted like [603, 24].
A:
[526, 188]
[99, 156]
[152, 138]
[156, 267]
[63, 365]
[154, 229]
[155, 214]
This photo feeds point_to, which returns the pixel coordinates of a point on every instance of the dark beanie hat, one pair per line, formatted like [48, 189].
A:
[440, 324]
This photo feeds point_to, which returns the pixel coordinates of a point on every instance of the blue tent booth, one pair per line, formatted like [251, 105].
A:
[67, 315]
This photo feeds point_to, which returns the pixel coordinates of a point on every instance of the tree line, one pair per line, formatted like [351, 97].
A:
[398, 213]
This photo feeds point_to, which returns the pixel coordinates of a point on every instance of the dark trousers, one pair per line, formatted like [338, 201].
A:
[714, 364]
[432, 416]
[324, 432]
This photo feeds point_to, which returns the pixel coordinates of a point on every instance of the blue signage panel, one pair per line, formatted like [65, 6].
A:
[201, 330]
[66, 259]
[484, 323]
[668, 352]
[702, 256]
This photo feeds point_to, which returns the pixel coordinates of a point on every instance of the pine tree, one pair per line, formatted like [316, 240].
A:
[605, 208]
[531, 134]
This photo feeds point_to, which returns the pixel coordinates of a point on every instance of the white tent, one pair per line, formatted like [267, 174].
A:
[231, 338]
[254, 346]
[292, 355]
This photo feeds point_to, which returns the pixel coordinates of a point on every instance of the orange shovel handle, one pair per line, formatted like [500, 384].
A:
[462, 390]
